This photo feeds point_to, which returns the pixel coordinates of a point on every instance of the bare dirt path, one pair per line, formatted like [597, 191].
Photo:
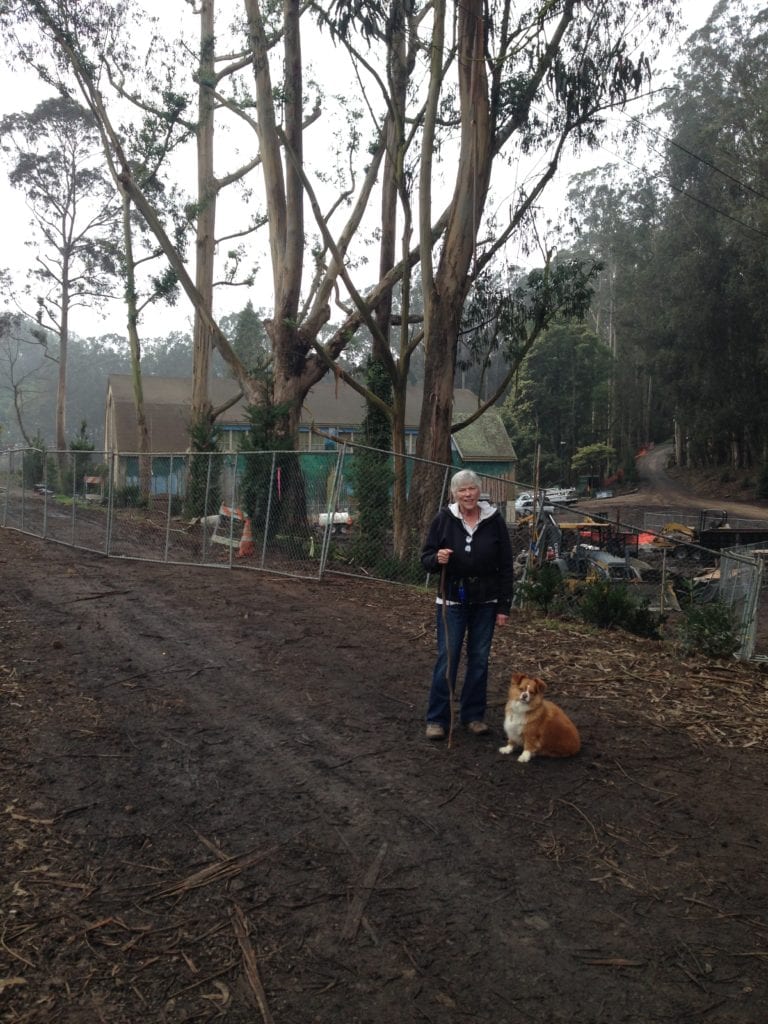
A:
[659, 486]
[217, 804]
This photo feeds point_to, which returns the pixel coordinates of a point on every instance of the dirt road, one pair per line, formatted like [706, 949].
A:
[657, 487]
[218, 804]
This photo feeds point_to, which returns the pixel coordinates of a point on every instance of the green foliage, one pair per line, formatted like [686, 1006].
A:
[33, 464]
[611, 606]
[80, 462]
[683, 303]
[269, 478]
[203, 496]
[128, 497]
[594, 458]
[559, 404]
[371, 475]
[81, 442]
[708, 629]
[504, 317]
[542, 587]
[248, 338]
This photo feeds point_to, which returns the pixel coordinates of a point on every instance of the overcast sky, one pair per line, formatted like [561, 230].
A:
[21, 91]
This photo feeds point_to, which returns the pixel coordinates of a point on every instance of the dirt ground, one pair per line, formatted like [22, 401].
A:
[217, 803]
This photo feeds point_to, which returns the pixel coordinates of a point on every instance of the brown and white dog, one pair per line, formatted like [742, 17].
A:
[535, 724]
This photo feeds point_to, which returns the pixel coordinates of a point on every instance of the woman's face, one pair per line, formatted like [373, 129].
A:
[468, 496]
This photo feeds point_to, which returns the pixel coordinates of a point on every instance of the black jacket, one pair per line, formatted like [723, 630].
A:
[485, 572]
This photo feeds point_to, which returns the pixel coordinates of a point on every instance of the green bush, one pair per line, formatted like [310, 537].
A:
[128, 497]
[203, 495]
[612, 606]
[708, 629]
[34, 463]
[542, 587]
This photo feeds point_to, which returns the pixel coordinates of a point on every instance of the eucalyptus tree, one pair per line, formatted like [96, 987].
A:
[58, 164]
[620, 223]
[559, 404]
[513, 79]
[23, 379]
[528, 77]
[715, 234]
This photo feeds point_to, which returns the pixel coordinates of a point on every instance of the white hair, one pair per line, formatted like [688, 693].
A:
[464, 478]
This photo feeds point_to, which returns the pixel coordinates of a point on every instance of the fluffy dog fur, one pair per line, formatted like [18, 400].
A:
[535, 724]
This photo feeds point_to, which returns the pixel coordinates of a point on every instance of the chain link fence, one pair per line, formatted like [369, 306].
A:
[668, 560]
[344, 511]
[303, 514]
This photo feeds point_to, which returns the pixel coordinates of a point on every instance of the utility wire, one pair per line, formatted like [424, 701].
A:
[695, 156]
[689, 195]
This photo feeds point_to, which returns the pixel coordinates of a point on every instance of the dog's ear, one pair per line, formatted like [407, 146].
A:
[540, 685]
[516, 678]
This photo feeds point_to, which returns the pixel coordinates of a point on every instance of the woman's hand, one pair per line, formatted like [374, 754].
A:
[501, 619]
[443, 555]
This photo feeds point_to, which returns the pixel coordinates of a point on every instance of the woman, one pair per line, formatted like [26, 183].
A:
[468, 545]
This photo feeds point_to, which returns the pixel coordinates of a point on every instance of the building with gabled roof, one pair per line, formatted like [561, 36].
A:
[332, 414]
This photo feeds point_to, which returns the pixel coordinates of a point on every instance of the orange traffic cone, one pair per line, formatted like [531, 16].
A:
[246, 541]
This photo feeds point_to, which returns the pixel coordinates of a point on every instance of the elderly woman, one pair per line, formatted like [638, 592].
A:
[468, 545]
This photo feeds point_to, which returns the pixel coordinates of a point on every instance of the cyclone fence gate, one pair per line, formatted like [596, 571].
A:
[297, 513]
[308, 514]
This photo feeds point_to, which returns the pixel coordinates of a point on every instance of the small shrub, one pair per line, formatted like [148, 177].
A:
[541, 587]
[610, 606]
[708, 629]
[128, 497]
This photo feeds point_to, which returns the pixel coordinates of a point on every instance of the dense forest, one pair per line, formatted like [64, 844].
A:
[663, 332]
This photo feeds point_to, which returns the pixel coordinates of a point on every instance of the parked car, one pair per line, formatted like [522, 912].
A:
[549, 496]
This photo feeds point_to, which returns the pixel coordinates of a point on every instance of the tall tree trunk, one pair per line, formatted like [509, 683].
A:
[444, 301]
[205, 241]
[285, 205]
[61, 386]
[134, 344]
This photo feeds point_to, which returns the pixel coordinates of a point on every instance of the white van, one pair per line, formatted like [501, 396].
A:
[550, 496]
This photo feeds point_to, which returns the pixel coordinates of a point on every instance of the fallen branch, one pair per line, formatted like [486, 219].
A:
[217, 872]
[363, 894]
[250, 963]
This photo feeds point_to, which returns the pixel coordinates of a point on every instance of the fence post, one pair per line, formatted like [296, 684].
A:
[334, 500]
[269, 510]
[45, 495]
[7, 457]
[232, 501]
[205, 507]
[168, 510]
[113, 456]
[73, 471]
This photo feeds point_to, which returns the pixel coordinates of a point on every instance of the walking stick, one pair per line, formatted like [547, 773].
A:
[448, 667]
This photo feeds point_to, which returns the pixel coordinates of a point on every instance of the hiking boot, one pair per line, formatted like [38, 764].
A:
[435, 731]
[478, 728]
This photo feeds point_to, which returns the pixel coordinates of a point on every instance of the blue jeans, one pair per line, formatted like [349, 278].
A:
[477, 623]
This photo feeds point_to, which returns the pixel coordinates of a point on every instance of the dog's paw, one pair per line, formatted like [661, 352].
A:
[506, 750]
[524, 757]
